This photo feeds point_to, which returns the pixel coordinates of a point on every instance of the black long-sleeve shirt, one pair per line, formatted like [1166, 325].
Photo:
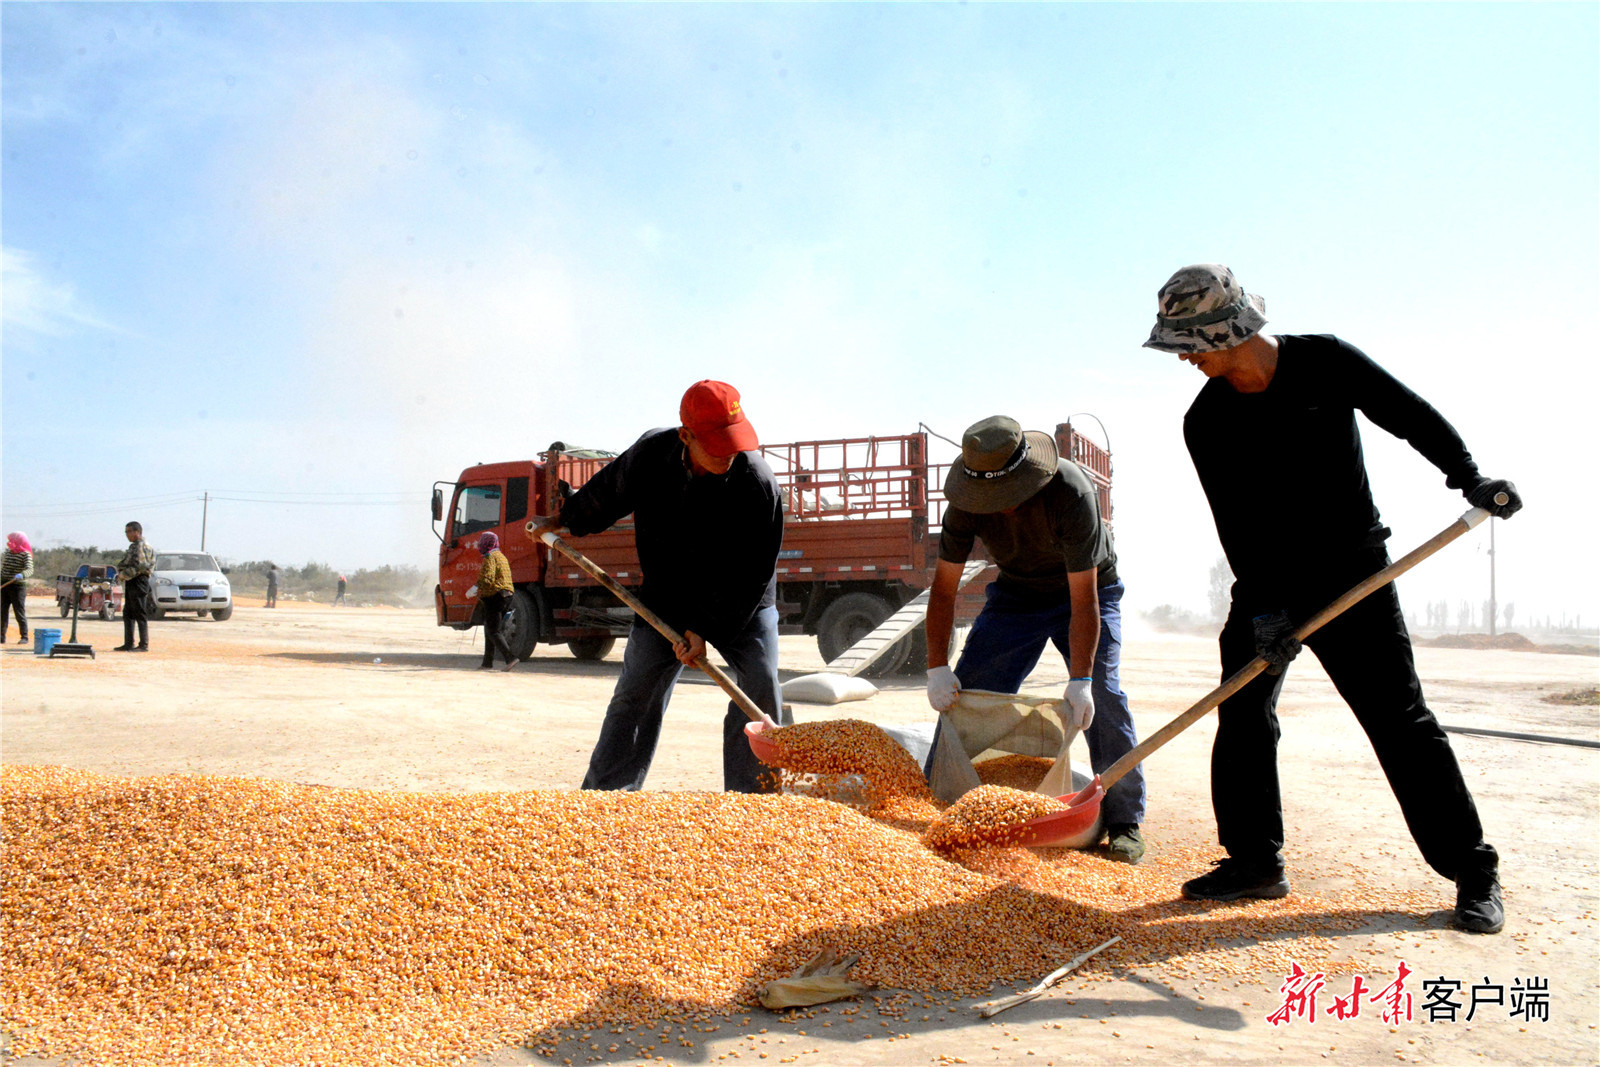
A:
[1283, 469]
[708, 544]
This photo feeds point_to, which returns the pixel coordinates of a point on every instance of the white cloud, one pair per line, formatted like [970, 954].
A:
[38, 304]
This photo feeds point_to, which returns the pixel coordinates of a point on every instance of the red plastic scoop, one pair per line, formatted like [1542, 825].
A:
[765, 750]
[1079, 812]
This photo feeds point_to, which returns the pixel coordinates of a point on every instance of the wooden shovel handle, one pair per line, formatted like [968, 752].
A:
[1248, 672]
[594, 571]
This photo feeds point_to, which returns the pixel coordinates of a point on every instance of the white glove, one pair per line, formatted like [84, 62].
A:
[942, 688]
[1077, 708]
[472, 592]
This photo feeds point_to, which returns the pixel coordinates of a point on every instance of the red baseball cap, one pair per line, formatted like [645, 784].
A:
[711, 411]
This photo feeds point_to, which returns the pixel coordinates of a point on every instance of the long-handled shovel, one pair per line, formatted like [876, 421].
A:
[594, 571]
[1083, 808]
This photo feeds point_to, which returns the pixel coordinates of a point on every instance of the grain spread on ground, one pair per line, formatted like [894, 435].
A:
[210, 919]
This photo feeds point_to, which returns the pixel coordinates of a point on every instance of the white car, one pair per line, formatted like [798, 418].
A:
[190, 581]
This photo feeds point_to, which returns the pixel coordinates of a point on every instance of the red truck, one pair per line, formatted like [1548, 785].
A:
[861, 538]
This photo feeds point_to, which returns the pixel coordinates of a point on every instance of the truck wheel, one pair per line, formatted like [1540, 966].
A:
[65, 611]
[527, 609]
[222, 614]
[852, 617]
[591, 648]
[105, 612]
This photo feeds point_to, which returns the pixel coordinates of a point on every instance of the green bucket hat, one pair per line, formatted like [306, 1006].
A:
[1000, 466]
[1204, 309]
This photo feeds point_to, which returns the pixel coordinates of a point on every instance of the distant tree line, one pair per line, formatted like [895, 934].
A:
[403, 586]
[391, 586]
[1439, 616]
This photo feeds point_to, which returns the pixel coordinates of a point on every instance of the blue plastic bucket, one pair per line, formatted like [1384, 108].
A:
[44, 640]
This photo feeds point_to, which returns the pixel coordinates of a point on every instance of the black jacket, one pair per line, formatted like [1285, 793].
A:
[708, 544]
[1283, 469]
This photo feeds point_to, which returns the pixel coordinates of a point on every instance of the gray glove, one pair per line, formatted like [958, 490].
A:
[1275, 640]
[1483, 496]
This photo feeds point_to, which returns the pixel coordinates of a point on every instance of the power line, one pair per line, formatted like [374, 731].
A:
[299, 493]
[51, 511]
[129, 501]
[408, 502]
[247, 496]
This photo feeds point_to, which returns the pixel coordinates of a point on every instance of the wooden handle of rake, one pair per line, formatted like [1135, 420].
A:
[593, 569]
[1248, 672]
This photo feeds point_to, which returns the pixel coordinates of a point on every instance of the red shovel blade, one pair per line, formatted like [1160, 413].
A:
[764, 749]
[1077, 815]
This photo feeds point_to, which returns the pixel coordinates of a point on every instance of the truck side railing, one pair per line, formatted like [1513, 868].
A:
[864, 477]
[852, 477]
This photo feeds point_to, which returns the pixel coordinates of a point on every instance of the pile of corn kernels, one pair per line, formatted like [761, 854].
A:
[239, 920]
[989, 813]
[854, 747]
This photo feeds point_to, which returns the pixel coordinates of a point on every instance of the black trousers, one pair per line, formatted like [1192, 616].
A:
[494, 636]
[1367, 654]
[135, 604]
[14, 599]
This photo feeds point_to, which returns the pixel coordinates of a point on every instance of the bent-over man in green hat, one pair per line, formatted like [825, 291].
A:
[1039, 518]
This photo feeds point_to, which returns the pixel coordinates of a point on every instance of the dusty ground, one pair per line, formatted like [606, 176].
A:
[299, 694]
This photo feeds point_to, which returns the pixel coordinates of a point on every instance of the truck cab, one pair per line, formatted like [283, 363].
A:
[549, 606]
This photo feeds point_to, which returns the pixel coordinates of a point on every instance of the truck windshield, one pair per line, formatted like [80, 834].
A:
[185, 561]
[477, 508]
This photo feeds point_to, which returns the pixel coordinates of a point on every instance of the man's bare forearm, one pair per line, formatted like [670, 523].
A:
[942, 612]
[1083, 634]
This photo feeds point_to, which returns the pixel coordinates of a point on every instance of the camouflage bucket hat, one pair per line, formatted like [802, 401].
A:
[1000, 466]
[1204, 309]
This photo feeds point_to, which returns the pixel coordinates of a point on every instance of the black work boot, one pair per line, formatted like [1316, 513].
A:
[1478, 906]
[1125, 842]
[1238, 879]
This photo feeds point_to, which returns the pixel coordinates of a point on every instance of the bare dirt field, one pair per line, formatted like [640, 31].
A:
[378, 699]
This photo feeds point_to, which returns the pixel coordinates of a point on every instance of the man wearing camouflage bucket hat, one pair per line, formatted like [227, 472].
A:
[1274, 439]
[1039, 518]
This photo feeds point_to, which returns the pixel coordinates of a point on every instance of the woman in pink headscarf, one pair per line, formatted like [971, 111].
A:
[494, 591]
[15, 571]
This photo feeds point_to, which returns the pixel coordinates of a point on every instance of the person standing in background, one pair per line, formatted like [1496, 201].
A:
[134, 570]
[338, 596]
[274, 575]
[14, 574]
[494, 592]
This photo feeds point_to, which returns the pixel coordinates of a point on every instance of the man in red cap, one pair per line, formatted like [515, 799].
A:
[708, 520]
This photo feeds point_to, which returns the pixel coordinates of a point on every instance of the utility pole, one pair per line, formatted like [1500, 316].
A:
[205, 508]
[1492, 606]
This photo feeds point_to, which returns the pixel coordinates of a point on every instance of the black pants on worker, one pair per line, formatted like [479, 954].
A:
[14, 599]
[495, 608]
[135, 612]
[1367, 654]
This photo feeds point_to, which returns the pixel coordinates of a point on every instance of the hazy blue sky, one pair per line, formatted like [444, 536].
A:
[344, 250]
